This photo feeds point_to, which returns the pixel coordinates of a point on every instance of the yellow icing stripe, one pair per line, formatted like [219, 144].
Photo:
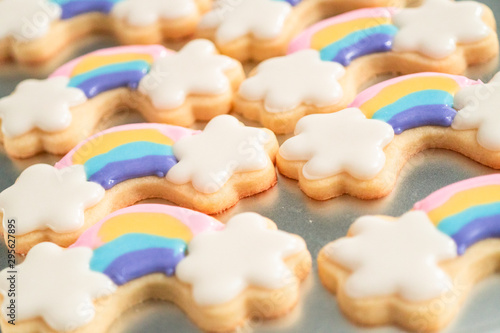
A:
[108, 141]
[92, 62]
[394, 92]
[336, 32]
[465, 200]
[156, 224]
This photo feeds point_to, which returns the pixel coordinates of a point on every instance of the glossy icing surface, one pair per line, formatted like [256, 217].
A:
[225, 147]
[222, 264]
[57, 199]
[196, 69]
[411, 101]
[437, 26]
[394, 257]
[284, 83]
[143, 239]
[39, 104]
[264, 19]
[345, 141]
[479, 108]
[146, 12]
[468, 211]
[27, 20]
[127, 152]
[57, 285]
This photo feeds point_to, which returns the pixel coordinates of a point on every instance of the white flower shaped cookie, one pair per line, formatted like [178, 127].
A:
[436, 27]
[224, 148]
[146, 12]
[222, 264]
[339, 142]
[284, 83]
[43, 104]
[479, 108]
[45, 197]
[56, 284]
[196, 69]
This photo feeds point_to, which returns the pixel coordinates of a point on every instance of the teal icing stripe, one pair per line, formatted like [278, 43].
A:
[451, 225]
[129, 151]
[424, 97]
[106, 254]
[330, 52]
[136, 65]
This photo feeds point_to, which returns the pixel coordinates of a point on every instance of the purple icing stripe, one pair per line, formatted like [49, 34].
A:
[96, 85]
[423, 115]
[117, 172]
[136, 264]
[77, 7]
[293, 2]
[371, 44]
[477, 230]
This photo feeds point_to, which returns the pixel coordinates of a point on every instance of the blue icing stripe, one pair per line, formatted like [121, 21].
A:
[428, 97]
[330, 52]
[106, 254]
[136, 65]
[452, 225]
[129, 151]
[291, 2]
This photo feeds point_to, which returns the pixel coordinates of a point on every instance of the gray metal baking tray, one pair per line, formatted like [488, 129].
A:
[317, 222]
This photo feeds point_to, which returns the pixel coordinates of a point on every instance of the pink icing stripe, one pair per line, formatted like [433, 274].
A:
[303, 41]
[441, 196]
[156, 51]
[196, 221]
[371, 92]
[173, 132]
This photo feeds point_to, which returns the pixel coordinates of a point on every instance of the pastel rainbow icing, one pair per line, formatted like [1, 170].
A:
[111, 68]
[143, 239]
[72, 8]
[424, 99]
[346, 37]
[126, 152]
[468, 211]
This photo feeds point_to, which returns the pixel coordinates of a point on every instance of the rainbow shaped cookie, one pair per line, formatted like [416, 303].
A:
[34, 31]
[55, 114]
[219, 275]
[417, 270]
[261, 29]
[209, 171]
[361, 150]
[335, 57]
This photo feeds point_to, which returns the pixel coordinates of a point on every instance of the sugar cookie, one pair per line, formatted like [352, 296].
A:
[361, 150]
[417, 270]
[219, 275]
[261, 29]
[33, 31]
[55, 114]
[209, 171]
[440, 36]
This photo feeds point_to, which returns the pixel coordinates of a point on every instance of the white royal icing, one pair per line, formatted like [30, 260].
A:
[45, 197]
[57, 285]
[43, 104]
[196, 69]
[479, 108]
[264, 19]
[436, 27]
[222, 264]
[283, 83]
[344, 141]
[147, 12]
[225, 147]
[27, 20]
[394, 257]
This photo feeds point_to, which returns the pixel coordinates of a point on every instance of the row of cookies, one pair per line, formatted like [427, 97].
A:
[34, 31]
